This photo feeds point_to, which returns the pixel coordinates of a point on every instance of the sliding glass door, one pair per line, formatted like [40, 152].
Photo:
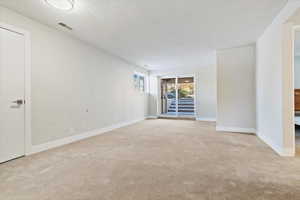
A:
[185, 101]
[177, 96]
[168, 96]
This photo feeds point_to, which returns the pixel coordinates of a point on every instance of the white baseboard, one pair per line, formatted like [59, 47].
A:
[206, 119]
[287, 152]
[152, 117]
[74, 138]
[235, 129]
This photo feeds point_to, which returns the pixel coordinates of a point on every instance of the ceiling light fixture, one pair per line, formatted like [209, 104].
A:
[61, 4]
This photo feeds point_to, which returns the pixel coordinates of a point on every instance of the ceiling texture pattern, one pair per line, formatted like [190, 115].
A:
[159, 34]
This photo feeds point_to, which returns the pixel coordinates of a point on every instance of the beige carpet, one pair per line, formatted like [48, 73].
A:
[155, 159]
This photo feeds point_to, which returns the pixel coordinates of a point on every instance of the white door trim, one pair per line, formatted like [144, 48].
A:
[288, 147]
[27, 84]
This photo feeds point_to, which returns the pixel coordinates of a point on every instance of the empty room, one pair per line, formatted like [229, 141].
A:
[149, 100]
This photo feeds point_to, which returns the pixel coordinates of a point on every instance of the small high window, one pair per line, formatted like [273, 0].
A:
[139, 82]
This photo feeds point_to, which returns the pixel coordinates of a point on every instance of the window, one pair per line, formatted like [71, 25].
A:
[136, 81]
[139, 82]
[142, 83]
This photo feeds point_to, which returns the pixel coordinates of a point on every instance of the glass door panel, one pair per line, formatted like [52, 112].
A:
[186, 96]
[168, 96]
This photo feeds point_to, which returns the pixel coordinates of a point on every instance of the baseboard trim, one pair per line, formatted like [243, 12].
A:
[206, 119]
[235, 129]
[285, 152]
[78, 137]
[152, 117]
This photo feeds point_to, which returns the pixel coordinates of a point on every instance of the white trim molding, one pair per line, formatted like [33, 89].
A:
[235, 129]
[27, 84]
[78, 137]
[206, 119]
[152, 117]
[286, 152]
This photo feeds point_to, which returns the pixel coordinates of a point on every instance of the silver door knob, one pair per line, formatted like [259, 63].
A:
[19, 102]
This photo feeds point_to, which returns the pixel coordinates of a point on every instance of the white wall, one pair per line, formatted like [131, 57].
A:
[206, 86]
[205, 90]
[76, 87]
[236, 89]
[153, 95]
[274, 101]
[297, 72]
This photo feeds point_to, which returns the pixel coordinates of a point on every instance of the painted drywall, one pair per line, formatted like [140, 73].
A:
[274, 75]
[236, 88]
[297, 72]
[75, 87]
[205, 90]
[153, 95]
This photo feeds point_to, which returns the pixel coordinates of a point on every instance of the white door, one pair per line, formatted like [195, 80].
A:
[12, 89]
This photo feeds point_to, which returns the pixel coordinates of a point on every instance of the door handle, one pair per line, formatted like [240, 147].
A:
[19, 102]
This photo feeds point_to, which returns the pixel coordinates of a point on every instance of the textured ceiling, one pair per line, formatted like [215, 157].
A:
[159, 34]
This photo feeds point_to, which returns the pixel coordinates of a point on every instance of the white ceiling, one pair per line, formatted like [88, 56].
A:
[159, 34]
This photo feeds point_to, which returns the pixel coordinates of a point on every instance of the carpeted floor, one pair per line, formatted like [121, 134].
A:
[155, 160]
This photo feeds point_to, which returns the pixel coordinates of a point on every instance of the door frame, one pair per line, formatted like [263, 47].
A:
[290, 134]
[292, 147]
[27, 84]
[289, 140]
[176, 82]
